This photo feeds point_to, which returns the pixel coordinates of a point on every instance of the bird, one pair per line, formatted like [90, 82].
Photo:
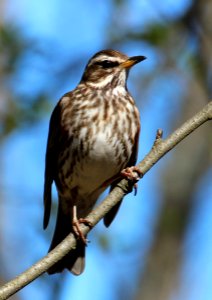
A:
[92, 142]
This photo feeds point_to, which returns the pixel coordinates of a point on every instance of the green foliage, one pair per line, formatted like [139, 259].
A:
[12, 47]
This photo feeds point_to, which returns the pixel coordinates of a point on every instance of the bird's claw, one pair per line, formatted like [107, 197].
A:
[133, 174]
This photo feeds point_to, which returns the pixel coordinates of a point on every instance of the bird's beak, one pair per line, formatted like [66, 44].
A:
[132, 61]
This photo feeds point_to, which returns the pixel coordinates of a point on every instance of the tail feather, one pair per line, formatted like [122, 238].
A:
[73, 261]
[110, 216]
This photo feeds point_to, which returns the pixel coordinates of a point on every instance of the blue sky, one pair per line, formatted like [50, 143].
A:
[80, 28]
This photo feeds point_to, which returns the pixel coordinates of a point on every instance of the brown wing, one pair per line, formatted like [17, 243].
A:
[109, 217]
[52, 151]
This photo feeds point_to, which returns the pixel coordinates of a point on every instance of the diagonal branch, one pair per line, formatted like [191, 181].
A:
[159, 149]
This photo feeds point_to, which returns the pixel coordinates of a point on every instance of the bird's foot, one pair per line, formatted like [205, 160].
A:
[133, 174]
[76, 226]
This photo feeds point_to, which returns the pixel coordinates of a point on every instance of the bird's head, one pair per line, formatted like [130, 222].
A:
[109, 68]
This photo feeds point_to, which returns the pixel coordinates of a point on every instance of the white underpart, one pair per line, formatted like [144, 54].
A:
[119, 90]
[99, 166]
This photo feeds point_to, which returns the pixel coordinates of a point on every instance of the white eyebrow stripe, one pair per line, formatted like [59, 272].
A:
[106, 57]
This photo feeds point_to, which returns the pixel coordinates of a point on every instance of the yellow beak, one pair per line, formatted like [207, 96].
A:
[132, 61]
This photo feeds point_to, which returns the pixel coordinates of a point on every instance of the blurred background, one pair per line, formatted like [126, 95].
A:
[160, 244]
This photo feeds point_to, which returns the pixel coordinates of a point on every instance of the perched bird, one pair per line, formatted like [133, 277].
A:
[93, 136]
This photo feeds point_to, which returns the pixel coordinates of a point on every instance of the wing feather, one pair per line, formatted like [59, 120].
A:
[52, 151]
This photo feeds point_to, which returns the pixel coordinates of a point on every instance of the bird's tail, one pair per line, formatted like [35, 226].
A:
[73, 261]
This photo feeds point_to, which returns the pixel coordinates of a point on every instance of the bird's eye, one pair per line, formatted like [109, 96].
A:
[106, 64]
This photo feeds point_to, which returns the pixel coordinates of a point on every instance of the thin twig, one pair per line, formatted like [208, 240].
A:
[159, 149]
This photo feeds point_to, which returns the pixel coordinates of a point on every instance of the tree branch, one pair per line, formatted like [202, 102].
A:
[159, 149]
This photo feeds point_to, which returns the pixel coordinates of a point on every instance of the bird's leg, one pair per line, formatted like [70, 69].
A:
[133, 174]
[76, 225]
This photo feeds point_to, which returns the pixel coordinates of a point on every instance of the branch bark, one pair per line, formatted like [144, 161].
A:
[159, 149]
